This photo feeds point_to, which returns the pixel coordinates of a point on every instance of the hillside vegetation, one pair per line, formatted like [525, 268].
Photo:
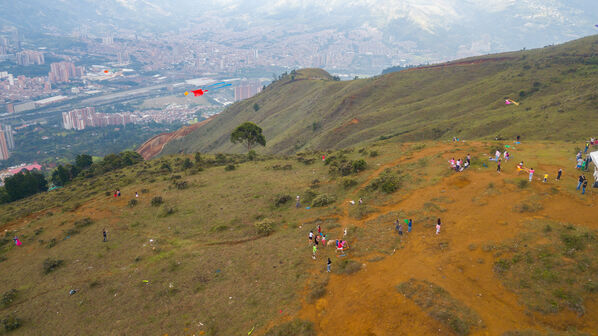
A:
[214, 245]
[555, 86]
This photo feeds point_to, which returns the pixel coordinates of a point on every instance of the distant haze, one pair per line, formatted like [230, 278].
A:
[438, 29]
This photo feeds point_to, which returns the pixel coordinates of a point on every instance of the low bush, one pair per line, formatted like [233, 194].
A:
[132, 203]
[166, 210]
[264, 227]
[230, 167]
[156, 201]
[8, 297]
[349, 182]
[281, 199]
[51, 265]
[359, 165]
[373, 153]
[180, 185]
[10, 323]
[322, 200]
[81, 223]
[386, 182]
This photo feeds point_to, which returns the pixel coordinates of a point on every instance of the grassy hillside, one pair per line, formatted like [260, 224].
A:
[512, 258]
[556, 88]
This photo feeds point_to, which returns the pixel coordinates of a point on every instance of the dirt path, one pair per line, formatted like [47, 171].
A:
[367, 303]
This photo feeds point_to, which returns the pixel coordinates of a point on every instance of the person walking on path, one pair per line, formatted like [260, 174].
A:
[328, 265]
[498, 166]
[105, 234]
[438, 227]
[531, 174]
[558, 175]
[297, 204]
[583, 187]
[409, 225]
[581, 179]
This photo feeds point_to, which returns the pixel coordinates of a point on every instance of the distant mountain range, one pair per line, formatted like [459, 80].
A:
[453, 28]
[554, 86]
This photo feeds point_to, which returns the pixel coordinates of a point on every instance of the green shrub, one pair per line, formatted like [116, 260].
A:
[156, 201]
[386, 182]
[373, 153]
[166, 210]
[281, 199]
[348, 182]
[264, 227]
[8, 297]
[251, 155]
[309, 195]
[52, 243]
[322, 200]
[230, 167]
[83, 222]
[133, 203]
[10, 323]
[180, 185]
[359, 165]
[50, 265]
[219, 228]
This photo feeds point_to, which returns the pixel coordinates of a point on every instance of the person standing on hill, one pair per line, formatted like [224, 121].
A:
[314, 250]
[319, 229]
[297, 204]
[587, 146]
[328, 265]
[310, 236]
[105, 235]
[531, 174]
[400, 229]
[438, 227]
[498, 166]
[409, 225]
[545, 178]
[580, 180]
[518, 138]
[583, 187]
[136, 195]
[558, 176]
[397, 226]
[497, 154]
[468, 159]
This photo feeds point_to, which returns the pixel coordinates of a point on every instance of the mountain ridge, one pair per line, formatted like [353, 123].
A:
[462, 98]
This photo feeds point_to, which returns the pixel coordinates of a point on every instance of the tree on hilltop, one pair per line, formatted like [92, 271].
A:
[248, 134]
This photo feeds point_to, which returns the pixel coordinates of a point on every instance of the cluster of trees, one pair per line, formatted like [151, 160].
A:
[27, 183]
[21, 185]
[85, 167]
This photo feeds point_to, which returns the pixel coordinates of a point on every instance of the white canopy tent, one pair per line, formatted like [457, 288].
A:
[594, 156]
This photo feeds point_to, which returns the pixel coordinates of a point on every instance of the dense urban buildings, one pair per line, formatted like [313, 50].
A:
[79, 119]
[4, 154]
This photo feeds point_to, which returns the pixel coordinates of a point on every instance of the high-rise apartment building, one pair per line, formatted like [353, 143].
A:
[64, 71]
[247, 89]
[4, 153]
[30, 57]
[8, 136]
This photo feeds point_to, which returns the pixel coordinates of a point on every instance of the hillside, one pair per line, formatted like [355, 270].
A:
[555, 87]
[186, 257]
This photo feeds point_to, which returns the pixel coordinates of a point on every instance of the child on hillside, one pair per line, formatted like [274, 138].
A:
[531, 174]
[545, 178]
[438, 226]
[314, 250]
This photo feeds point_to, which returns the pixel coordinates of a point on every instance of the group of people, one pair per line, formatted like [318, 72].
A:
[399, 226]
[583, 164]
[460, 165]
[319, 238]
